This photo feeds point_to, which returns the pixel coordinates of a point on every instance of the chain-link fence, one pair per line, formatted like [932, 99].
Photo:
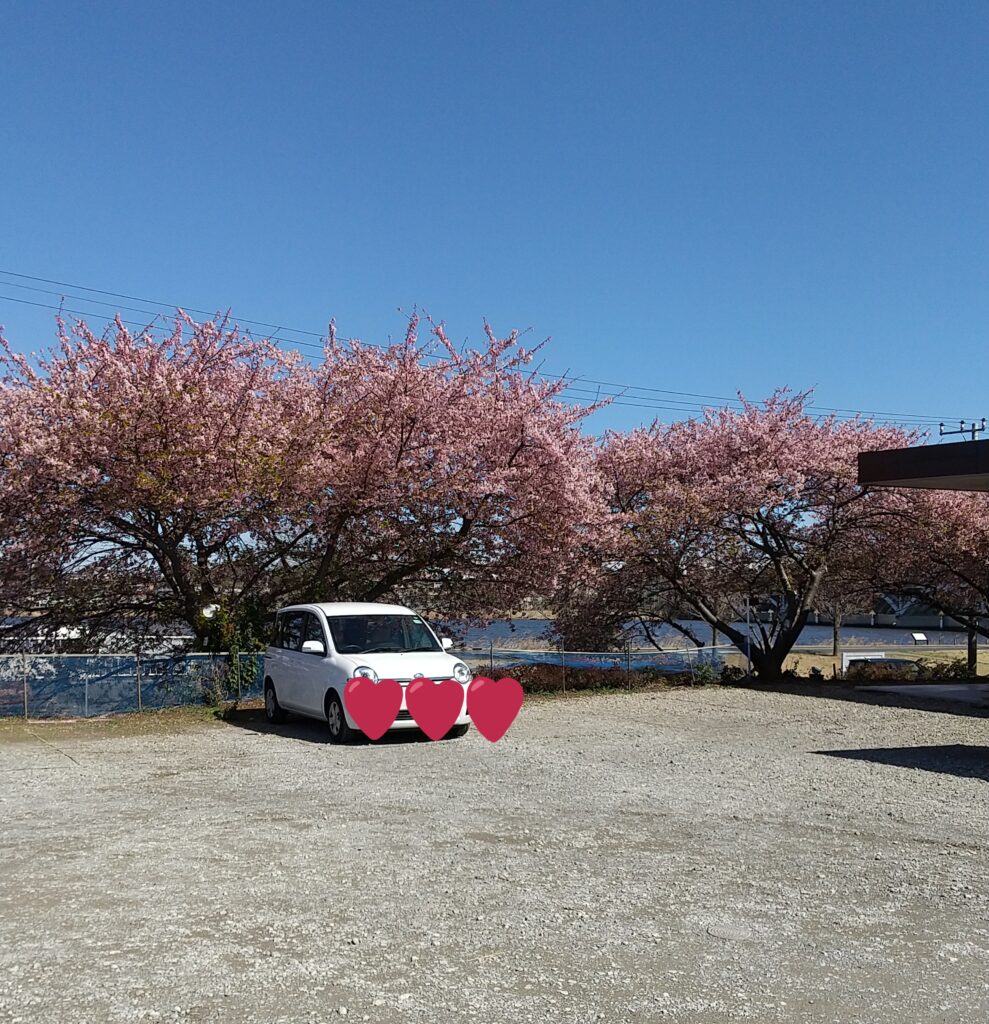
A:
[680, 660]
[86, 685]
[83, 685]
[579, 669]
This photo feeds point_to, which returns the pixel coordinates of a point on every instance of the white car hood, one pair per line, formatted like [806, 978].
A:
[431, 664]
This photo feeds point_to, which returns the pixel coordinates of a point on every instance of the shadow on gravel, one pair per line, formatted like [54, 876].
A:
[959, 759]
[308, 730]
[842, 691]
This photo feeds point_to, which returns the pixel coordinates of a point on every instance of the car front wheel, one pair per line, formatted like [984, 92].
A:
[272, 709]
[336, 720]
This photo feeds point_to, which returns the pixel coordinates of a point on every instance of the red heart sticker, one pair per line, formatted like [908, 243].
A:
[492, 706]
[373, 706]
[434, 706]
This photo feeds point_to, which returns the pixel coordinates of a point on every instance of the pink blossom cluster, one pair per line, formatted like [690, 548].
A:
[144, 477]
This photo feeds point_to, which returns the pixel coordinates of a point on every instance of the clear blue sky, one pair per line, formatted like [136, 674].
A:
[699, 197]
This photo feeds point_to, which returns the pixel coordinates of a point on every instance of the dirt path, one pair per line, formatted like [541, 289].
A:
[693, 856]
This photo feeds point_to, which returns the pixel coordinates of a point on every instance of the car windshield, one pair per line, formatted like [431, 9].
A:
[379, 634]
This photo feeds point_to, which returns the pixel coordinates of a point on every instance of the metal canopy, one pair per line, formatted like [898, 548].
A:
[963, 466]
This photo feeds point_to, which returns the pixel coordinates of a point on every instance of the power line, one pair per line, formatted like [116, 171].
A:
[616, 398]
[294, 330]
[848, 414]
[149, 302]
[671, 405]
[621, 396]
[154, 314]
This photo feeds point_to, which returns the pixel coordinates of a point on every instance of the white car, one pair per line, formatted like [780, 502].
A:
[316, 648]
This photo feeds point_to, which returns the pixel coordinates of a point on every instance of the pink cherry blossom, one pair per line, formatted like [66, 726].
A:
[759, 502]
[146, 476]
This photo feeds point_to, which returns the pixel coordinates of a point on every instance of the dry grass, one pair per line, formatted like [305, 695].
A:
[802, 662]
[137, 723]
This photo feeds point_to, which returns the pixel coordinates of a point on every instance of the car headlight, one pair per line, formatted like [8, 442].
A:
[462, 673]
[366, 672]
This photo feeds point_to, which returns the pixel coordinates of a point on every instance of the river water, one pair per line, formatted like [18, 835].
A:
[531, 633]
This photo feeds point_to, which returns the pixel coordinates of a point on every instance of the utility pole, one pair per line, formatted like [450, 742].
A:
[975, 429]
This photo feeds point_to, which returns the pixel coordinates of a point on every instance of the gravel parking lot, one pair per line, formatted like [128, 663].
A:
[694, 855]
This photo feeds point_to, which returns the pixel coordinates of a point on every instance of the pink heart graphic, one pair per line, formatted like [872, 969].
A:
[373, 706]
[492, 706]
[434, 706]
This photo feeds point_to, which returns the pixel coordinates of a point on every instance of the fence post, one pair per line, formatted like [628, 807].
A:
[628, 664]
[24, 681]
[137, 676]
[239, 663]
[85, 692]
[563, 665]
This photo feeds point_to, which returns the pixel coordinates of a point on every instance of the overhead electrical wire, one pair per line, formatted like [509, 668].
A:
[665, 400]
[618, 398]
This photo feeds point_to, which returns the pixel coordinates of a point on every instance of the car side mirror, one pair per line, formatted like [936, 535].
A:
[446, 642]
[313, 647]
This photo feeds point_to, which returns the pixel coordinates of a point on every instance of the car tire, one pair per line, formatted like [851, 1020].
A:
[336, 721]
[457, 731]
[272, 709]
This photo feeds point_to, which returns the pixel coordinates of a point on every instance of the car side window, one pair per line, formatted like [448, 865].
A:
[314, 629]
[293, 625]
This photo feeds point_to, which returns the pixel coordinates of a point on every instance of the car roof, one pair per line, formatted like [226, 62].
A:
[329, 608]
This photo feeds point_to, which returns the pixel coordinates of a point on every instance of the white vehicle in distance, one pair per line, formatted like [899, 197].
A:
[316, 648]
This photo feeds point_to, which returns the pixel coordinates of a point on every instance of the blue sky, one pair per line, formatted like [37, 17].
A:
[698, 197]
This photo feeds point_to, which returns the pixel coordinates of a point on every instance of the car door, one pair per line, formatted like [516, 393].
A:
[274, 658]
[313, 668]
[289, 690]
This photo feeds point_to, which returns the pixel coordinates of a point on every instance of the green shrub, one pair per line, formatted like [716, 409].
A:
[705, 674]
[684, 678]
[927, 668]
[881, 671]
[550, 678]
[957, 668]
[732, 675]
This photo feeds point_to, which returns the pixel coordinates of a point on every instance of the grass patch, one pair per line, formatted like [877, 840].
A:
[135, 723]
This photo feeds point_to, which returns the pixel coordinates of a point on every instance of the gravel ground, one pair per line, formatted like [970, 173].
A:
[690, 856]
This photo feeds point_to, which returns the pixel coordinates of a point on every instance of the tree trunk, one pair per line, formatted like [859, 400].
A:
[973, 650]
[768, 664]
[836, 636]
[766, 660]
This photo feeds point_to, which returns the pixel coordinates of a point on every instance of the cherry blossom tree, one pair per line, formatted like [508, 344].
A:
[938, 553]
[147, 477]
[138, 468]
[456, 481]
[848, 586]
[753, 504]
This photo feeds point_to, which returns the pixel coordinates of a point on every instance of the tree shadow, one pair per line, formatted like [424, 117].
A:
[309, 730]
[961, 759]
